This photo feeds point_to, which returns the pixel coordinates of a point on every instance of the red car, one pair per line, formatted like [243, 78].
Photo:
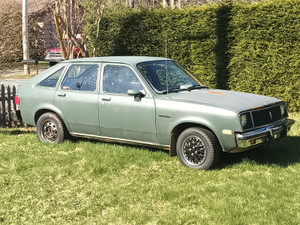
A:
[54, 55]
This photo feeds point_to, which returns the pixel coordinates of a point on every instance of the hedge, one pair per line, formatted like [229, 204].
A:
[130, 32]
[192, 38]
[244, 47]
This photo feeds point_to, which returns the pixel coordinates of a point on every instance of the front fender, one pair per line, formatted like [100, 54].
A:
[223, 123]
[226, 141]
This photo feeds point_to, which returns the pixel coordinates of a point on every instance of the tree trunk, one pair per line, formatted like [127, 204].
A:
[166, 3]
[179, 4]
[172, 4]
[130, 3]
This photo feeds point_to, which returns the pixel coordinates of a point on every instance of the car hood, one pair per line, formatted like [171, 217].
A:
[230, 100]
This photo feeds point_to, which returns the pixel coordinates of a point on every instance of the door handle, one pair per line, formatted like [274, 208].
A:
[61, 95]
[106, 99]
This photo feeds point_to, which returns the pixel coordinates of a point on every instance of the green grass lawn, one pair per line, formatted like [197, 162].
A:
[87, 182]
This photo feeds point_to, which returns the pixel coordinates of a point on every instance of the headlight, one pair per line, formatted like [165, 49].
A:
[246, 121]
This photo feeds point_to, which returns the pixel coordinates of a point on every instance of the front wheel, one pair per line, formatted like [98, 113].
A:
[198, 148]
[50, 128]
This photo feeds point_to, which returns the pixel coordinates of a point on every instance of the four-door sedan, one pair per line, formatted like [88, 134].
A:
[148, 101]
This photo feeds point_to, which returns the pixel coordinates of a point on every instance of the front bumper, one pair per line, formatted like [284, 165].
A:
[263, 135]
[54, 58]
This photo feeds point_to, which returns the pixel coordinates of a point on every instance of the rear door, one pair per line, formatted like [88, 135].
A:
[77, 98]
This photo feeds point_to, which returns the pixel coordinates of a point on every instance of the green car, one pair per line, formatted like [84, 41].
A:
[148, 101]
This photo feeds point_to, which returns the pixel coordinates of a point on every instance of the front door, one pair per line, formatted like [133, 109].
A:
[122, 116]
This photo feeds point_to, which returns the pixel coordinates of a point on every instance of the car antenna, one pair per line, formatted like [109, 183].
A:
[167, 77]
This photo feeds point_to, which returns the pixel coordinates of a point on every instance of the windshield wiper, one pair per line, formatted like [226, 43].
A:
[197, 86]
[184, 88]
[172, 90]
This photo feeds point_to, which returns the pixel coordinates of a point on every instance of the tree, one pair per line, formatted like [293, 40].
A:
[11, 33]
[94, 10]
[69, 17]
[10, 26]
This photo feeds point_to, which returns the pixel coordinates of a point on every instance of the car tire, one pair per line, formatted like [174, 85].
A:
[50, 128]
[198, 148]
[52, 63]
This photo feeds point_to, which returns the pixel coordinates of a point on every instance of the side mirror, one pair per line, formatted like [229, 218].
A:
[135, 93]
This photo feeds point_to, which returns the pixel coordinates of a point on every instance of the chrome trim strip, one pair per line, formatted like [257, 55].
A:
[258, 133]
[120, 140]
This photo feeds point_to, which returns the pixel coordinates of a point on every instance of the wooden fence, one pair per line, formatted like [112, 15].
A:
[7, 104]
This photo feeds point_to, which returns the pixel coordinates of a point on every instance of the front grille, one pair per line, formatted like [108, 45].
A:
[260, 117]
[266, 116]
[55, 55]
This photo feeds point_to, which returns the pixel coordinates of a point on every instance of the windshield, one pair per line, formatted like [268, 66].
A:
[168, 76]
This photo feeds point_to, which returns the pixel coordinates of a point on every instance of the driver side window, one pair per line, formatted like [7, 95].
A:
[120, 79]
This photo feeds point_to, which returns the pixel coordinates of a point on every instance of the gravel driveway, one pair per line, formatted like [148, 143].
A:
[4, 77]
[12, 82]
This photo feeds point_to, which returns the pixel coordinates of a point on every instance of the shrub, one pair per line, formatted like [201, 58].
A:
[265, 50]
[245, 47]
[191, 39]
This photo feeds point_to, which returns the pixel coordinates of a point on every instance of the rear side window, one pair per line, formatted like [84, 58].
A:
[51, 81]
[81, 78]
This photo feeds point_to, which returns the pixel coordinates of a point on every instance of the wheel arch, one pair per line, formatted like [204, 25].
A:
[43, 111]
[180, 128]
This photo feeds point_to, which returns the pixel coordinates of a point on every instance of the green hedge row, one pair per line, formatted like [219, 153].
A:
[245, 47]
[188, 36]
[265, 50]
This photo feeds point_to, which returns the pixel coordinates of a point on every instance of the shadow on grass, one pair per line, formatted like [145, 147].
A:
[140, 147]
[285, 152]
[31, 130]
[17, 131]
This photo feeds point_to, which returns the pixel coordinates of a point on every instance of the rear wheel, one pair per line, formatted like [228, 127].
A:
[198, 148]
[52, 63]
[50, 128]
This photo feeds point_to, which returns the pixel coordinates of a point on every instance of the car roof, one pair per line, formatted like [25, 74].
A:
[133, 60]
